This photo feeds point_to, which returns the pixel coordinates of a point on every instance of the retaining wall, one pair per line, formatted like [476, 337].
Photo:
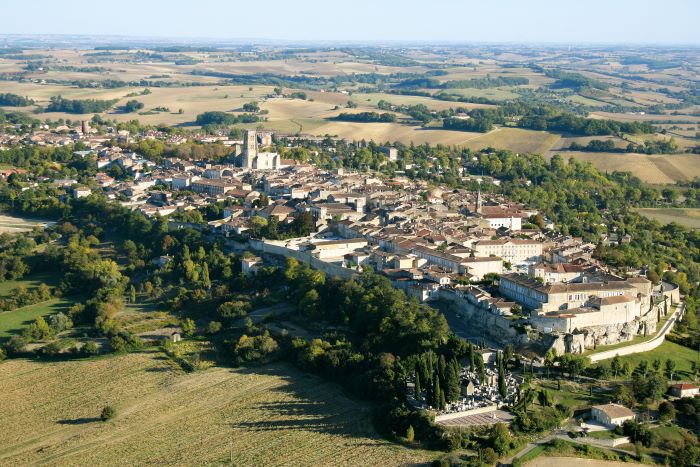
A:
[642, 346]
[451, 416]
[330, 269]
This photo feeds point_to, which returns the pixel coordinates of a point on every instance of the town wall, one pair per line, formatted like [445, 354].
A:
[496, 327]
[331, 269]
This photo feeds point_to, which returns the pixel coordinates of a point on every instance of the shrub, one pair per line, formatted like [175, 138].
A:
[666, 411]
[213, 327]
[108, 413]
[51, 349]
[125, 342]
[489, 456]
[16, 345]
[90, 348]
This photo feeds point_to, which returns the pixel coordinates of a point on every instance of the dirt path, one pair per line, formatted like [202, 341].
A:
[574, 462]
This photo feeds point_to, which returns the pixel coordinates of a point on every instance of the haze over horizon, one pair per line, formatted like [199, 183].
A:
[507, 21]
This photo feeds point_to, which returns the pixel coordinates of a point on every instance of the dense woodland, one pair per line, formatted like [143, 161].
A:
[13, 100]
[541, 118]
[79, 106]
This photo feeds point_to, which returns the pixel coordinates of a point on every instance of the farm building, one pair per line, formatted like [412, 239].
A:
[684, 390]
[611, 415]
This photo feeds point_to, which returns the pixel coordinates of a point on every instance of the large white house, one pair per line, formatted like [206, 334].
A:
[514, 250]
[611, 415]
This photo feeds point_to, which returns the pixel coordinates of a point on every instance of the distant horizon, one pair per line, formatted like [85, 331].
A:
[298, 42]
[608, 22]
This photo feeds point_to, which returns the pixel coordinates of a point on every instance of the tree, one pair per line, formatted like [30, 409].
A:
[213, 327]
[549, 359]
[233, 310]
[108, 413]
[575, 364]
[132, 294]
[507, 354]
[452, 381]
[188, 327]
[16, 345]
[252, 107]
[417, 387]
[500, 438]
[470, 350]
[60, 322]
[132, 106]
[616, 365]
[410, 434]
[489, 456]
[687, 456]
[309, 303]
[667, 412]
[670, 366]
[502, 389]
[437, 393]
[205, 276]
[480, 368]
[38, 330]
[90, 348]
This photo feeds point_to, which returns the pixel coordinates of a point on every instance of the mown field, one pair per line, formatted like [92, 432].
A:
[30, 281]
[273, 415]
[13, 224]
[515, 139]
[683, 356]
[575, 462]
[658, 169]
[687, 217]
[13, 322]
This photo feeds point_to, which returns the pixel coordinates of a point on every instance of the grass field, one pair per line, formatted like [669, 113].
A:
[397, 99]
[515, 139]
[686, 216]
[13, 224]
[657, 169]
[12, 322]
[382, 132]
[575, 462]
[273, 415]
[31, 281]
[683, 356]
[572, 394]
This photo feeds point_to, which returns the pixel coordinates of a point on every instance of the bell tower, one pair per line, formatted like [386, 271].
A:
[250, 148]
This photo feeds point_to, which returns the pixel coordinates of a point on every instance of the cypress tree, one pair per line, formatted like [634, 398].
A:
[437, 393]
[481, 370]
[429, 392]
[452, 381]
[441, 370]
[417, 387]
[471, 358]
[502, 389]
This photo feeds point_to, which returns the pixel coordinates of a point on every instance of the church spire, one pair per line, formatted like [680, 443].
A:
[478, 199]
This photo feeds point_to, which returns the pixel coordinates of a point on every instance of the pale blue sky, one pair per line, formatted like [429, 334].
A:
[520, 21]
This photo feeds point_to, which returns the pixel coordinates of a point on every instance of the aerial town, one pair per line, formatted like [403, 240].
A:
[450, 236]
[432, 242]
